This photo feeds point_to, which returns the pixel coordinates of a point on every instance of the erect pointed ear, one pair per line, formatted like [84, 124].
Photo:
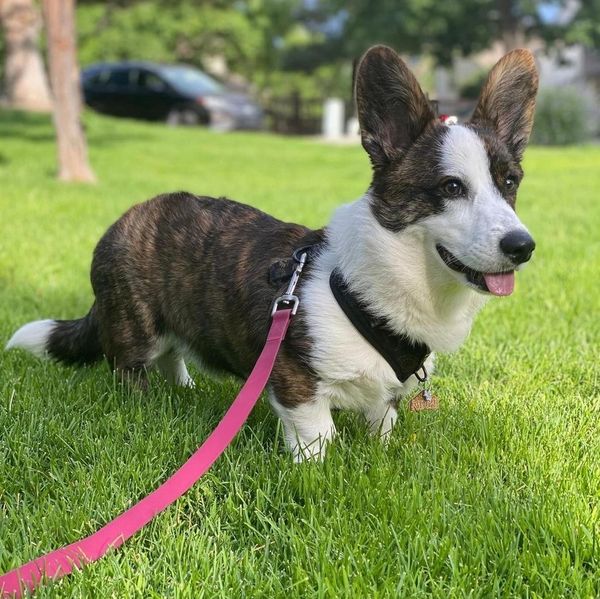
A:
[507, 100]
[392, 109]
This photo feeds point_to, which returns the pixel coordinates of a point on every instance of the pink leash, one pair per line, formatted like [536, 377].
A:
[61, 562]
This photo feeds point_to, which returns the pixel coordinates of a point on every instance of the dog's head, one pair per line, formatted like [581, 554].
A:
[459, 183]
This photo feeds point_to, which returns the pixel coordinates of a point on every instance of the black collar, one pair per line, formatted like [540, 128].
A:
[404, 356]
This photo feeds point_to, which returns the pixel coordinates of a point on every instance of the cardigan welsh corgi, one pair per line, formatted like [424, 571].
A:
[436, 234]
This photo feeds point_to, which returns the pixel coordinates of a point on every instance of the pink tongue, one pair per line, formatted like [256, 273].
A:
[501, 283]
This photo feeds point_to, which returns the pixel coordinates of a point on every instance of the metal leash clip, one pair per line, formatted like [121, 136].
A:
[288, 299]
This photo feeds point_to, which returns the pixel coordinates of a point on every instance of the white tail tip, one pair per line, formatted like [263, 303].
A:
[33, 337]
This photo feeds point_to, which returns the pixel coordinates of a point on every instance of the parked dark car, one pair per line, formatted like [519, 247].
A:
[176, 94]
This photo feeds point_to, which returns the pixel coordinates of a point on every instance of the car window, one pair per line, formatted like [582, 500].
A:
[134, 76]
[191, 81]
[99, 78]
[118, 78]
[151, 81]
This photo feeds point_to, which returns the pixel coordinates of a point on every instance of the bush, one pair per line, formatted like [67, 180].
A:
[562, 117]
[471, 88]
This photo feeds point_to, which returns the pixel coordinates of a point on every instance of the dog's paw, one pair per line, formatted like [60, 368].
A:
[187, 382]
[311, 452]
[381, 420]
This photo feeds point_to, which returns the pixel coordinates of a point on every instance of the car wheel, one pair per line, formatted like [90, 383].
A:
[182, 116]
[222, 122]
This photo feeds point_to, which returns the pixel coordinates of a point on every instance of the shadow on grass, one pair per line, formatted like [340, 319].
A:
[25, 125]
[34, 127]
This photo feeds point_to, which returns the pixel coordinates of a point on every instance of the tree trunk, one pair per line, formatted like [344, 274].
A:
[510, 28]
[64, 77]
[25, 82]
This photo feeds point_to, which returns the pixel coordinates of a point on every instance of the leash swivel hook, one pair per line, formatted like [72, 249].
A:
[288, 299]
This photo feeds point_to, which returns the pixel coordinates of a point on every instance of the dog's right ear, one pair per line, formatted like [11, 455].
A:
[392, 109]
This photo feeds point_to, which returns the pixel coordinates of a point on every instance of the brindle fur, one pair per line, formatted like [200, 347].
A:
[193, 268]
[507, 101]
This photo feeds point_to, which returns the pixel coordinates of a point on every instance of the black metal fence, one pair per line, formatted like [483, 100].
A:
[298, 115]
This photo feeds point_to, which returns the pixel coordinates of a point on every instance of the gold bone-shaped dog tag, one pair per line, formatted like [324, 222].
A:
[418, 402]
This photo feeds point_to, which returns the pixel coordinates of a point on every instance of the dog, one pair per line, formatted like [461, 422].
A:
[416, 257]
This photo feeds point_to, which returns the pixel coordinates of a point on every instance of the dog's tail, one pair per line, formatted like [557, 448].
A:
[69, 341]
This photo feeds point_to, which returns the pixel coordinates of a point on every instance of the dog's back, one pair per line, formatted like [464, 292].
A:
[176, 274]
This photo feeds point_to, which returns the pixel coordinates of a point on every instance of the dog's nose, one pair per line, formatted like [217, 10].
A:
[518, 245]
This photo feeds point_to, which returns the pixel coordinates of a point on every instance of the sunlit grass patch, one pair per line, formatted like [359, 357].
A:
[496, 494]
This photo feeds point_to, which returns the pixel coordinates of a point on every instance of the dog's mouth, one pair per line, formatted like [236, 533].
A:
[496, 283]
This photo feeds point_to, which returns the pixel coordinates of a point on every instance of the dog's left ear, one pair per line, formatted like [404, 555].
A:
[507, 100]
[392, 109]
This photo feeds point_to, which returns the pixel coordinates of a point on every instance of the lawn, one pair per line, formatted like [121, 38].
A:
[495, 494]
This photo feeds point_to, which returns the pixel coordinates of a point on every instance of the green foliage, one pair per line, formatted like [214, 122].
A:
[281, 46]
[444, 29]
[494, 495]
[561, 117]
[324, 81]
[586, 26]
[259, 39]
[169, 33]
[414, 26]
[471, 88]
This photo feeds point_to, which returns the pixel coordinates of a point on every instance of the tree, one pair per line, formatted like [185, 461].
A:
[443, 29]
[73, 162]
[25, 82]
[168, 32]
[249, 35]
[586, 24]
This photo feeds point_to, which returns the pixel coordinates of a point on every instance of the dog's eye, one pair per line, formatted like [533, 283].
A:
[453, 187]
[510, 182]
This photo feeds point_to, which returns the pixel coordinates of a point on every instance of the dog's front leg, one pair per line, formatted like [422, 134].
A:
[173, 368]
[381, 418]
[308, 426]
[302, 406]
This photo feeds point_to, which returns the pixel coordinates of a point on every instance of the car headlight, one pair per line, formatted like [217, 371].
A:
[214, 103]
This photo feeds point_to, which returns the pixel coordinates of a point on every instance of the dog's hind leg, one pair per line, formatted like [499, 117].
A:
[128, 344]
[172, 366]
[132, 375]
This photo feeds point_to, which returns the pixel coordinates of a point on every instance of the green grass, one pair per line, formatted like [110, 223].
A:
[496, 494]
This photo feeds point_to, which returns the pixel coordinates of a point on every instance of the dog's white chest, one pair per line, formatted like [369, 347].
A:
[352, 374]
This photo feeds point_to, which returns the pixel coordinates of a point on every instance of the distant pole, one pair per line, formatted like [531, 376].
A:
[333, 118]
[64, 78]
